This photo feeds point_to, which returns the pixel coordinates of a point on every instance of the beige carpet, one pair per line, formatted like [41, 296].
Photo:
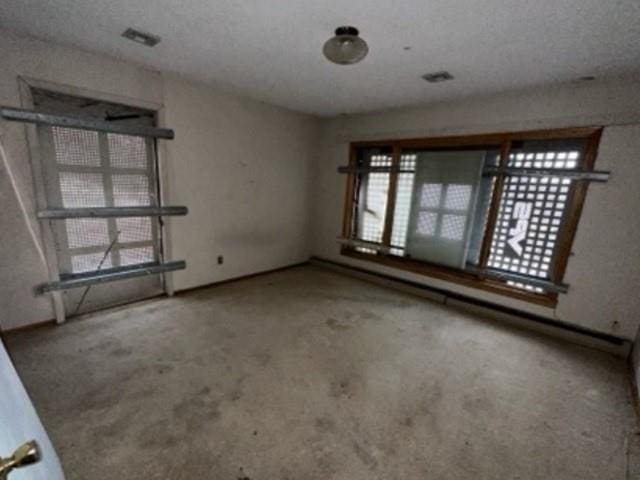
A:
[306, 374]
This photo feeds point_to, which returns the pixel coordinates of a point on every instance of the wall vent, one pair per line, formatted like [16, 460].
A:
[141, 37]
[437, 77]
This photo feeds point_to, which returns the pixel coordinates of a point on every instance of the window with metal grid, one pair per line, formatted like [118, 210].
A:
[375, 189]
[530, 215]
[98, 169]
[404, 189]
[504, 217]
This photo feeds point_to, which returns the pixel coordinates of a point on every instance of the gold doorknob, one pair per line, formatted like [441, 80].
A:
[26, 454]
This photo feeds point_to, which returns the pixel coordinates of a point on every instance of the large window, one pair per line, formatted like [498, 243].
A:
[494, 211]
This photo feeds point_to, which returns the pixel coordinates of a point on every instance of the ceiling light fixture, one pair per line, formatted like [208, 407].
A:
[346, 47]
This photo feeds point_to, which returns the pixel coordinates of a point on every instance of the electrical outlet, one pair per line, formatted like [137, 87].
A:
[220, 259]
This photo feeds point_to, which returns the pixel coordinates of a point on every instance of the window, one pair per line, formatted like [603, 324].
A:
[97, 169]
[494, 211]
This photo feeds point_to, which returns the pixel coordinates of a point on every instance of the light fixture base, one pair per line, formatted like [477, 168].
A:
[346, 47]
[347, 30]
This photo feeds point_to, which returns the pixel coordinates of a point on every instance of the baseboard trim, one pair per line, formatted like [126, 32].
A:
[52, 322]
[29, 326]
[556, 328]
[241, 277]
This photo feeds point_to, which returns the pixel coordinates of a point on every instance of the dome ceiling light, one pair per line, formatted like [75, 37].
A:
[346, 47]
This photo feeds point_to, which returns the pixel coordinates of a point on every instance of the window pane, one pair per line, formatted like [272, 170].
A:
[134, 256]
[90, 262]
[76, 147]
[433, 197]
[528, 225]
[430, 195]
[87, 232]
[373, 193]
[134, 229]
[427, 223]
[126, 151]
[532, 209]
[557, 154]
[483, 203]
[80, 190]
[442, 207]
[404, 192]
[131, 190]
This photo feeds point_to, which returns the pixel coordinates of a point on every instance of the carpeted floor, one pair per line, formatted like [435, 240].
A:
[307, 374]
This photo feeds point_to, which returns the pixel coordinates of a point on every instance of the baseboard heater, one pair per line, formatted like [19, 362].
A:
[619, 344]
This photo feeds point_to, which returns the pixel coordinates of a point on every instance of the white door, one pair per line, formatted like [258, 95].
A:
[20, 423]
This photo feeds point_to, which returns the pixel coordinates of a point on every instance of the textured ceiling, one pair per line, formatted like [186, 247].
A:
[272, 50]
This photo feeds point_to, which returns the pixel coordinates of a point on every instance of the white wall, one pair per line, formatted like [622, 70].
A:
[604, 271]
[243, 169]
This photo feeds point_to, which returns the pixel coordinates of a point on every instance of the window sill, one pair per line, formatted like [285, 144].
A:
[452, 275]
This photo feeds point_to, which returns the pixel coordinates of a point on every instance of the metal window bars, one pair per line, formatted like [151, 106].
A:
[67, 281]
[484, 272]
[488, 171]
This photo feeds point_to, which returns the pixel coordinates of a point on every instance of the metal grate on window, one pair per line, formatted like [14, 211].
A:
[559, 160]
[127, 151]
[80, 190]
[527, 229]
[89, 262]
[131, 190]
[134, 229]
[404, 189]
[376, 188]
[133, 256]
[76, 147]
[408, 162]
[87, 232]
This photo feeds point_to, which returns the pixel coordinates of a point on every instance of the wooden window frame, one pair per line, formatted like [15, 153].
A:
[502, 142]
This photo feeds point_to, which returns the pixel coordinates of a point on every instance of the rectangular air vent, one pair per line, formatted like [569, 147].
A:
[141, 37]
[438, 77]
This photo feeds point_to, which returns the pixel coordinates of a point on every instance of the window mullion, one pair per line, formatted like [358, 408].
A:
[107, 183]
[391, 196]
[496, 197]
[349, 227]
[576, 199]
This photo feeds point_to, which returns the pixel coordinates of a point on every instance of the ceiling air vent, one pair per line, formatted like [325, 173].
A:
[140, 37]
[437, 77]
